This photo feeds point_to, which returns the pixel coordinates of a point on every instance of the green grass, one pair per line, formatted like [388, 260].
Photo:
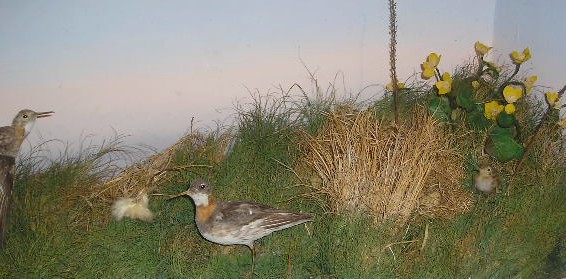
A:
[522, 235]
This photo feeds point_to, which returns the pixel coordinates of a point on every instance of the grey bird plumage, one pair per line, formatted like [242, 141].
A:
[237, 222]
[11, 138]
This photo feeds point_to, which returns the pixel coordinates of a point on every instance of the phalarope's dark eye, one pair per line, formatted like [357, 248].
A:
[202, 186]
[25, 116]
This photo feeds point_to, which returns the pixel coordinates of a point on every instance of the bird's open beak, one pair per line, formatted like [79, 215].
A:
[44, 114]
[180, 194]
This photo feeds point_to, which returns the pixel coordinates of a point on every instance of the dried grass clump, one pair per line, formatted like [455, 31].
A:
[550, 147]
[388, 171]
[137, 180]
[548, 158]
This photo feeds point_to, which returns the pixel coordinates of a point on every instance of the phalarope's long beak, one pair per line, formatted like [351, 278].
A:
[178, 195]
[44, 114]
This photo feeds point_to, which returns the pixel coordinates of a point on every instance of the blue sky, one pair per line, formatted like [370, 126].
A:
[146, 67]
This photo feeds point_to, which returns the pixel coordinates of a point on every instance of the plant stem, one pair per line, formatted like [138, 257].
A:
[393, 56]
[480, 67]
[437, 74]
[505, 83]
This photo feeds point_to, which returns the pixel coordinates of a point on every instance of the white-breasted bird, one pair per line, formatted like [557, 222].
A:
[486, 180]
[237, 222]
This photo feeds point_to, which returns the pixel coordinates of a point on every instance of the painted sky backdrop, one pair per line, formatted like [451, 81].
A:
[539, 25]
[145, 68]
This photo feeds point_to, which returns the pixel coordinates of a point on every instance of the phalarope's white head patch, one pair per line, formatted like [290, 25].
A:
[200, 190]
[200, 199]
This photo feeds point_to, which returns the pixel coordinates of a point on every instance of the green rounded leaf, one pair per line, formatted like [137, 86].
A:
[506, 120]
[501, 145]
[477, 120]
[464, 91]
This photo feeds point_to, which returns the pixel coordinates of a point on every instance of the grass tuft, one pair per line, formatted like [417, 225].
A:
[371, 165]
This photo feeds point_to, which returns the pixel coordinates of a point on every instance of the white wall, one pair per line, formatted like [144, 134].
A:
[539, 25]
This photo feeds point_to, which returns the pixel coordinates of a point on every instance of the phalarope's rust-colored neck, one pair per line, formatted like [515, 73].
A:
[205, 212]
[237, 222]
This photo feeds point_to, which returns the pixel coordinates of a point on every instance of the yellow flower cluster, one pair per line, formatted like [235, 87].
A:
[429, 67]
[511, 93]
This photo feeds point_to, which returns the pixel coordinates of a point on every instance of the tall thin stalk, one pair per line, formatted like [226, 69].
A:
[393, 55]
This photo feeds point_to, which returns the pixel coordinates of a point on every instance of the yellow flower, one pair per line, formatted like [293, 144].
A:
[562, 123]
[481, 49]
[389, 86]
[497, 68]
[552, 99]
[512, 94]
[475, 84]
[510, 108]
[433, 59]
[428, 71]
[429, 66]
[530, 82]
[492, 110]
[519, 58]
[446, 77]
[445, 85]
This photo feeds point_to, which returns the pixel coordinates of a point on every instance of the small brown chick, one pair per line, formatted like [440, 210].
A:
[486, 180]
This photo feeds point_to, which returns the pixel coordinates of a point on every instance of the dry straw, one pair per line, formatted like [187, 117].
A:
[138, 180]
[370, 166]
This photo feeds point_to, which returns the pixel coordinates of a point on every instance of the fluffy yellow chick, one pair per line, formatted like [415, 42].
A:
[486, 180]
[135, 208]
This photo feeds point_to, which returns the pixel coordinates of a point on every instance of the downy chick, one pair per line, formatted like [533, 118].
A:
[486, 180]
[135, 208]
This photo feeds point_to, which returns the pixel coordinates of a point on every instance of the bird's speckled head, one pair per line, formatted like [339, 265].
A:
[486, 171]
[26, 118]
